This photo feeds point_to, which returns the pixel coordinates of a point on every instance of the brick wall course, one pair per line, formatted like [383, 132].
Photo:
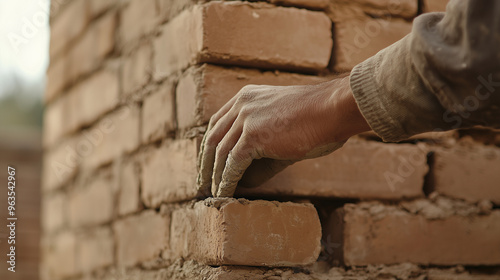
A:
[216, 232]
[437, 234]
[360, 169]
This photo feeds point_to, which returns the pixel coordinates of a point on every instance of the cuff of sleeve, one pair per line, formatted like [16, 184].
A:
[367, 94]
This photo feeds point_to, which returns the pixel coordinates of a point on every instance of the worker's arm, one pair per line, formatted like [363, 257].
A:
[445, 74]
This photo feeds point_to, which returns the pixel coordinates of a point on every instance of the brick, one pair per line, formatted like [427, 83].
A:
[169, 173]
[95, 250]
[92, 203]
[138, 19]
[378, 234]
[311, 4]
[141, 238]
[360, 169]
[129, 200]
[114, 135]
[54, 208]
[158, 117]
[81, 106]
[136, 69]
[299, 39]
[470, 174]
[360, 38]
[435, 5]
[90, 51]
[59, 165]
[60, 256]
[202, 91]
[66, 27]
[242, 232]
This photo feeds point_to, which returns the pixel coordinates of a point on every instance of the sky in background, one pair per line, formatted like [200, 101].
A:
[24, 42]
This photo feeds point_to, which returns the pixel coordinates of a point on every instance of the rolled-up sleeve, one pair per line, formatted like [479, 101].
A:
[445, 74]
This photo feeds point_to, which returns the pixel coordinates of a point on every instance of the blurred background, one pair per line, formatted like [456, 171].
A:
[24, 41]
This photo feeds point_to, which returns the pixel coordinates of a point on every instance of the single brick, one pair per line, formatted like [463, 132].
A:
[169, 173]
[238, 33]
[311, 4]
[138, 18]
[95, 250]
[158, 118]
[242, 232]
[470, 174]
[129, 200]
[54, 209]
[378, 234]
[202, 91]
[70, 23]
[360, 38]
[137, 69]
[60, 256]
[90, 51]
[81, 106]
[360, 169]
[112, 136]
[435, 5]
[92, 203]
[141, 238]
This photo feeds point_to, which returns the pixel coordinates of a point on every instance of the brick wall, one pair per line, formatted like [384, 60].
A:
[131, 86]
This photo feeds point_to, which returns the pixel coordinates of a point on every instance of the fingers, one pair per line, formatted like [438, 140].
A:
[222, 152]
[216, 131]
[238, 160]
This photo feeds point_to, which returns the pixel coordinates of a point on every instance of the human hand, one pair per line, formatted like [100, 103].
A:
[263, 129]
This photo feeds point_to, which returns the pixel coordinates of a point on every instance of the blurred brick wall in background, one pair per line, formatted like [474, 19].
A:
[131, 86]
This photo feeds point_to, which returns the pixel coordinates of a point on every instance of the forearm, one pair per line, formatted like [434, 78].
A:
[431, 80]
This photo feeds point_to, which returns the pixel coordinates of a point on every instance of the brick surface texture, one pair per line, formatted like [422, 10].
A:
[131, 87]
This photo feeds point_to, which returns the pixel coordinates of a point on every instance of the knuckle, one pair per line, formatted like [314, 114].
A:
[211, 140]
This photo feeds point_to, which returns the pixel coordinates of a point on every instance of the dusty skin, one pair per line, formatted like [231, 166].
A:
[264, 129]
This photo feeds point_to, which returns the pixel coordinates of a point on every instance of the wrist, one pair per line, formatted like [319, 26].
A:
[346, 116]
